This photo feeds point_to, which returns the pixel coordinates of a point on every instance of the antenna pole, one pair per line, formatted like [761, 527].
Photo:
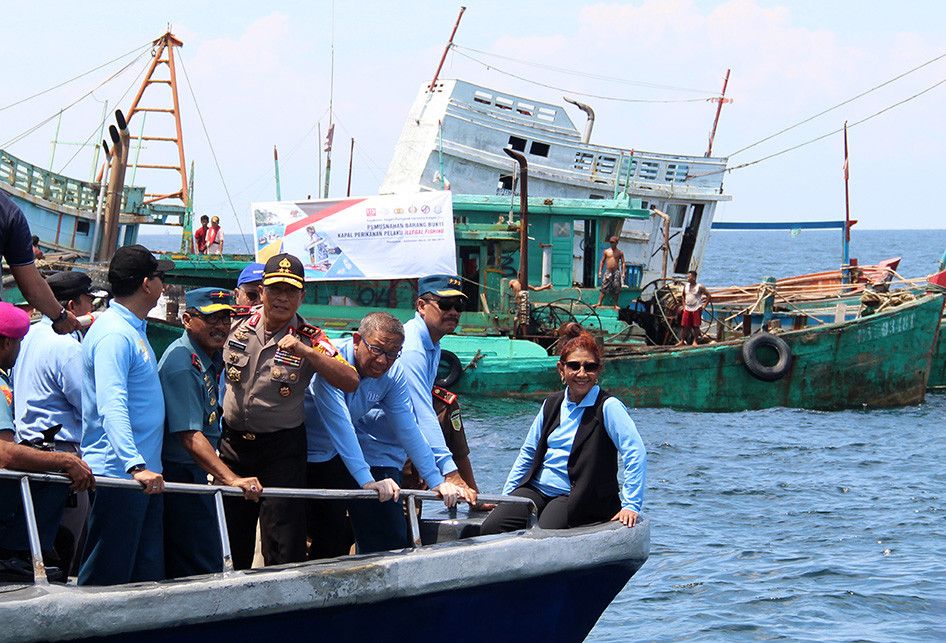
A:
[351, 155]
[719, 108]
[331, 114]
[846, 241]
[276, 162]
[446, 50]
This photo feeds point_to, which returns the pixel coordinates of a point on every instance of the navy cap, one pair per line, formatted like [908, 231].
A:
[69, 284]
[251, 274]
[135, 262]
[440, 285]
[209, 300]
[284, 268]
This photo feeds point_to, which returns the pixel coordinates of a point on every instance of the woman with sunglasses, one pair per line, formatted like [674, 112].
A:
[568, 463]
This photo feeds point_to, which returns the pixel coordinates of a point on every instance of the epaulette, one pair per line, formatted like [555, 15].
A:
[242, 311]
[254, 320]
[444, 395]
[309, 331]
[195, 361]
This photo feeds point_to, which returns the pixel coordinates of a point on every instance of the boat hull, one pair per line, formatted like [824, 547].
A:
[533, 585]
[878, 361]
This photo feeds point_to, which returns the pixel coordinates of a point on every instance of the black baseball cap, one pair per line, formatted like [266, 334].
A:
[135, 262]
[284, 268]
[70, 284]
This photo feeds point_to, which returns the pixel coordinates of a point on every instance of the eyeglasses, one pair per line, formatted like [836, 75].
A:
[446, 305]
[590, 367]
[378, 351]
[219, 318]
[250, 294]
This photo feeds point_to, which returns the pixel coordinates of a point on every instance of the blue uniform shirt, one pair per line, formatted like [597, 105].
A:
[419, 360]
[47, 384]
[16, 242]
[552, 476]
[122, 402]
[372, 427]
[190, 381]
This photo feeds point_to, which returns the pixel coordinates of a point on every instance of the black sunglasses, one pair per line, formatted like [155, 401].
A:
[590, 367]
[446, 305]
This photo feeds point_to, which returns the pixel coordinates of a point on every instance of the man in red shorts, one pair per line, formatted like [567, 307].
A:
[695, 299]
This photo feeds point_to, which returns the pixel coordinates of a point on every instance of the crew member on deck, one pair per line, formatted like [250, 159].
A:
[269, 359]
[200, 235]
[353, 444]
[214, 237]
[189, 370]
[48, 392]
[123, 426]
[16, 247]
[568, 463]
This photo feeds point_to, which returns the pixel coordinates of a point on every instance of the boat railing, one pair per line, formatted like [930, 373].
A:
[412, 498]
[60, 189]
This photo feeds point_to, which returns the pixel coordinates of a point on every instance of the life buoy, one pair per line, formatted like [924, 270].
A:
[759, 370]
[450, 363]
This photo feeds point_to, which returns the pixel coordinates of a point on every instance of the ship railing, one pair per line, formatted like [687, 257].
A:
[412, 499]
[59, 189]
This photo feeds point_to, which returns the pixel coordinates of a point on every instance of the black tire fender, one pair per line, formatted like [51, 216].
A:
[454, 369]
[760, 371]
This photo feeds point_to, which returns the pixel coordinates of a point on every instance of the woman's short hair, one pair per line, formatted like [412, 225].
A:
[572, 337]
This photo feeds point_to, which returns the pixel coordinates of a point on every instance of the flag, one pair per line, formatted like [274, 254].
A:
[329, 137]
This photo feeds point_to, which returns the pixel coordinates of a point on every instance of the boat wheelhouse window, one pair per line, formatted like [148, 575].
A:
[605, 164]
[676, 172]
[483, 97]
[82, 227]
[539, 149]
[546, 114]
[583, 160]
[677, 212]
[525, 109]
[518, 144]
[503, 103]
[649, 170]
[505, 182]
[595, 196]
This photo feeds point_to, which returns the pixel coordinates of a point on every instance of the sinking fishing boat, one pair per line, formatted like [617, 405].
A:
[521, 586]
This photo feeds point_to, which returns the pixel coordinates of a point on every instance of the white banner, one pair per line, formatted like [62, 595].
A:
[398, 236]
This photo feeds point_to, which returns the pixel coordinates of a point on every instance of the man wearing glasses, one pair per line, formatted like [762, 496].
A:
[246, 292]
[361, 439]
[440, 301]
[190, 371]
[269, 359]
[123, 426]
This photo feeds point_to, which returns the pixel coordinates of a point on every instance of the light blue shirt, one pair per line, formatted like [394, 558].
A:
[122, 402]
[372, 427]
[47, 384]
[419, 360]
[6, 404]
[190, 379]
[552, 479]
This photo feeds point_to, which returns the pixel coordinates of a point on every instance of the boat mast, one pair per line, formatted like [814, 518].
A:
[276, 163]
[846, 240]
[446, 50]
[331, 125]
[351, 155]
[719, 100]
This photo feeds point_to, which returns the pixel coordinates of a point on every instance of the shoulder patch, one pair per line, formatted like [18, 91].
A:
[444, 395]
[196, 362]
[242, 311]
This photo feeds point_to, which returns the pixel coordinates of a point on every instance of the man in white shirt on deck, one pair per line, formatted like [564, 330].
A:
[695, 299]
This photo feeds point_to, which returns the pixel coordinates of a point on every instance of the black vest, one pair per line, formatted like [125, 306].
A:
[592, 463]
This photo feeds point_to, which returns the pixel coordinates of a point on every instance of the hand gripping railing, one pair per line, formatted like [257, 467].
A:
[410, 497]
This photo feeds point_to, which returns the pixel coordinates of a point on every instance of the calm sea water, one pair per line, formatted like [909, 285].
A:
[778, 524]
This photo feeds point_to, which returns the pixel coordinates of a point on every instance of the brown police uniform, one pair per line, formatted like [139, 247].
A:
[264, 434]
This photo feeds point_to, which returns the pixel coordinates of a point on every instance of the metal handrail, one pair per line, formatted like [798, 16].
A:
[411, 497]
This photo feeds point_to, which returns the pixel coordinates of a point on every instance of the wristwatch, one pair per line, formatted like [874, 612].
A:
[63, 315]
[135, 469]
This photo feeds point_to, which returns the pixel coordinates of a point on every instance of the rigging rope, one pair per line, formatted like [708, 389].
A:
[98, 126]
[823, 136]
[29, 131]
[85, 73]
[841, 104]
[583, 74]
[213, 153]
[579, 93]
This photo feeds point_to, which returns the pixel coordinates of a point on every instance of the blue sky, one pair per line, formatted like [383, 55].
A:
[260, 72]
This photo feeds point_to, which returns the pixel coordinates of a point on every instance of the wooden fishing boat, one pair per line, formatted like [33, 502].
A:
[526, 585]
